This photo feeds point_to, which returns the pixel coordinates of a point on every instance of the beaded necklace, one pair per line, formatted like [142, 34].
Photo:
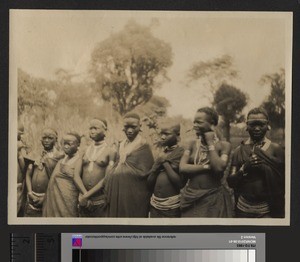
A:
[200, 157]
[93, 152]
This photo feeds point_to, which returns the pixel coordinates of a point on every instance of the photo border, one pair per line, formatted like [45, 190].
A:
[12, 169]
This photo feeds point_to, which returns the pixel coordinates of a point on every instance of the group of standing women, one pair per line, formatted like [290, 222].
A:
[129, 181]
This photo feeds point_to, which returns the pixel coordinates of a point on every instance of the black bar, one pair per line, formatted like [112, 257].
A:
[21, 247]
[47, 247]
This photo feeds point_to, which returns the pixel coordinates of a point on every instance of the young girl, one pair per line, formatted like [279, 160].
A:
[62, 195]
[39, 172]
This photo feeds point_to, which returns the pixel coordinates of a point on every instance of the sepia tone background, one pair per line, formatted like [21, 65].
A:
[73, 66]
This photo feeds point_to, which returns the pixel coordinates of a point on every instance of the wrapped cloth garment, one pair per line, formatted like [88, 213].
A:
[42, 166]
[213, 202]
[273, 173]
[98, 207]
[61, 199]
[165, 207]
[30, 209]
[172, 213]
[46, 162]
[246, 208]
[21, 186]
[20, 198]
[126, 183]
[165, 203]
[173, 156]
[168, 206]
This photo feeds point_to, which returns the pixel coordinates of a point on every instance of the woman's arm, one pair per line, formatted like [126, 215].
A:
[191, 169]
[237, 170]
[112, 156]
[151, 180]
[235, 176]
[21, 154]
[94, 189]
[175, 178]
[111, 161]
[77, 176]
[28, 178]
[218, 157]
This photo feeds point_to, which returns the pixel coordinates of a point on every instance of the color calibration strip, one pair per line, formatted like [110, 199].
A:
[163, 247]
[134, 255]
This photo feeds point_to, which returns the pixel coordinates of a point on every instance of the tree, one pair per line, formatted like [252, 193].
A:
[229, 102]
[64, 76]
[79, 97]
[32, 93]
[155, 109]
[275, 102]
[213, 73]
[129, 65]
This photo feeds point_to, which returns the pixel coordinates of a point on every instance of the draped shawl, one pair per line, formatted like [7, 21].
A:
[126, 184]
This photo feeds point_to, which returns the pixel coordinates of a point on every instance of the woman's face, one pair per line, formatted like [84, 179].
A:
[168, 137]
[201, 123]
[70, 145]
[48, 139]
[97, 131]
[131, 128]
[257, 126]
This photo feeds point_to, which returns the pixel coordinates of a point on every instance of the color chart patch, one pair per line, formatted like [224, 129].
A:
[77, 241]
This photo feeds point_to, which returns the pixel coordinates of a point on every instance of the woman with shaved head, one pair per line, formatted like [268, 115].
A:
[91, 170]
[164, 180]
[39, 172]
[126, 185]
[257, 171]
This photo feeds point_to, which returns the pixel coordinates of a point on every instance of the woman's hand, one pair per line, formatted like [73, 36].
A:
[83, 200]
[209, 137]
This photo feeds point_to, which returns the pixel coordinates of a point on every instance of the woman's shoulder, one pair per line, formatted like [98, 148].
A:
[225, 146]
[189, 144]
[58, 155]
[224, 143]
[111, 149]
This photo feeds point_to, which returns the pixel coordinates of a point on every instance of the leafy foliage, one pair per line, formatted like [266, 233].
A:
[32, 92]
[213, 72]
[229, 102]
[66, 105]
[275, 102]
[129, 65]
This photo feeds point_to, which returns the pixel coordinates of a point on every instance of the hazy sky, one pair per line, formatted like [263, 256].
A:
[42, 41]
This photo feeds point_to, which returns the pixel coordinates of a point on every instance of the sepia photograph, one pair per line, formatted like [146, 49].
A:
[149, 117]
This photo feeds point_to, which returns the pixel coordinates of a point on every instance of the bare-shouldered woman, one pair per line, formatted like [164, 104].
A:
[203, 163]
[91, 171]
